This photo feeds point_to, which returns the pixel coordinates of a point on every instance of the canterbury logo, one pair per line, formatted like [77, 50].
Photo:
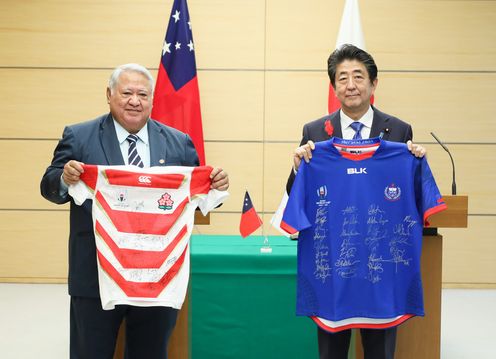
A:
[145, 179]
[356, 171]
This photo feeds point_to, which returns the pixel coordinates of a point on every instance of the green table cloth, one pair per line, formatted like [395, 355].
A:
[242, 301]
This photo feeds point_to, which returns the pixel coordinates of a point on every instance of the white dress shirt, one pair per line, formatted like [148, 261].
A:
[349, 132]
[142, 145]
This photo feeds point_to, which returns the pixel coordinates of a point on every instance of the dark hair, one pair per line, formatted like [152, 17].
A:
[350, 52]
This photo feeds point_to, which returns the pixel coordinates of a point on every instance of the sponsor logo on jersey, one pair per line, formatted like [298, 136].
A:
[145, 179]
[165, 202]
[356, 171]
[392, 192]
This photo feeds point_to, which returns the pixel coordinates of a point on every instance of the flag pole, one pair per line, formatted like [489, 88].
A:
[266, 248]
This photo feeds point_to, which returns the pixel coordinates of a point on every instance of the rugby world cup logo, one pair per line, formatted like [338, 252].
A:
[392, 192]
[322, 192]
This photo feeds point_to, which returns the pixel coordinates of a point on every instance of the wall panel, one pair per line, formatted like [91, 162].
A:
[48, 100]
[227, 33]
[475, 175]
[408, 35]
[292, 99]
[78, 33]
[33, 245]
[232, 105]
[431, 35]
[232, 102]
[457, 107]
[262, 75]
[469, 253]
[437, 102]
[26, 164]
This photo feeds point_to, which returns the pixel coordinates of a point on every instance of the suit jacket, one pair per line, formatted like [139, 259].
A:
[95, 142]
[391, 128]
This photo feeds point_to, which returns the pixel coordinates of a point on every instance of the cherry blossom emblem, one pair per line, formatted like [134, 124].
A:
[165, 202]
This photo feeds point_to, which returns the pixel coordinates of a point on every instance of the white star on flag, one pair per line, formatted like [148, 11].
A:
[166, 48]
[189, 24]
[178, 46]
[191, 46]
[176, 16]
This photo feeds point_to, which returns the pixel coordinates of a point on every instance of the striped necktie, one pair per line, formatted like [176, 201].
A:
[357, 126]
[132, 154]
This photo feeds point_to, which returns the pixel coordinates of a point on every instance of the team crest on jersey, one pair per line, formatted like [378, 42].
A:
[165, 202]
[392, 192]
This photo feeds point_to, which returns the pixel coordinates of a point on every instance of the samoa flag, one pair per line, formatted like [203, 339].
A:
[176, 101]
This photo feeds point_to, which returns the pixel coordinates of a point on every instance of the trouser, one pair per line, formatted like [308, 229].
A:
[377, 343]
[93, 331]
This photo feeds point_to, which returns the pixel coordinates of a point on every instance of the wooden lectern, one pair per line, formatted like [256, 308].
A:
[420, 337]
[178, 343]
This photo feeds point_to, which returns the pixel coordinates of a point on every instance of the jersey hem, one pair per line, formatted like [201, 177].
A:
[362, 325]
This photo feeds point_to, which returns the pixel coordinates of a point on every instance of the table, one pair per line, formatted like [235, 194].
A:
[242, 302]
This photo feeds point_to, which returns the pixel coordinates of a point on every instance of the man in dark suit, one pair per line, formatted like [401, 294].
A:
[353, 75]
[103, 141]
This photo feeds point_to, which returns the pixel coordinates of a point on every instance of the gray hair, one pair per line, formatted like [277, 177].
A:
[114, 78]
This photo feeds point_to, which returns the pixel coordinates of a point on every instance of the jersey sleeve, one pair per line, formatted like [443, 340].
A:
[200, 190]
[212, 200]
[429, 199]
[294, 218]
[85, 188]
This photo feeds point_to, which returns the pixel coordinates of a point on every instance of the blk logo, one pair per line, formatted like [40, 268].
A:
[357, 171]
[145, 179]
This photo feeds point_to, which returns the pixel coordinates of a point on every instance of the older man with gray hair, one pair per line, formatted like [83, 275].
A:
[105, 141]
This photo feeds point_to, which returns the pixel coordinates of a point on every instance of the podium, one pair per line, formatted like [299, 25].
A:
[420, 337]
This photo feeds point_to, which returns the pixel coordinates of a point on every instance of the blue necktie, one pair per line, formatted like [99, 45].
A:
[357, 126]
[132, 154]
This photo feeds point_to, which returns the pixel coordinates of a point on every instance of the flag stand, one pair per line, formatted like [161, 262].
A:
[266, 248]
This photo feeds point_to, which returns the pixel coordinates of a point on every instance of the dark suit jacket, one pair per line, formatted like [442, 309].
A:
[392, 129]
[95, 142]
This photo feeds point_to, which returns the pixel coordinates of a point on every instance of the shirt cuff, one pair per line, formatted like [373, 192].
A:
[64, 188]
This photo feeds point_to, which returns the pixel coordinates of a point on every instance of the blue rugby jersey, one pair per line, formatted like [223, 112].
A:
[360, 206]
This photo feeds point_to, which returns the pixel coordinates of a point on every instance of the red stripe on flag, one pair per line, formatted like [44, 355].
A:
[142, 289]
[333, 104]
[132, 258]
[139, 222]
[179, 109]
[249, 222]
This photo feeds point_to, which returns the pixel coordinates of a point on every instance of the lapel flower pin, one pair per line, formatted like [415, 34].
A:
[328, 128]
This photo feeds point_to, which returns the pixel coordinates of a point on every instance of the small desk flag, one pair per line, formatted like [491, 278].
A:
[250, 220]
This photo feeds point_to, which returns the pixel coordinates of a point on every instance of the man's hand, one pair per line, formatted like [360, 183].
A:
[303, 152]
[72, 171]
[219, 178]
[416, 150]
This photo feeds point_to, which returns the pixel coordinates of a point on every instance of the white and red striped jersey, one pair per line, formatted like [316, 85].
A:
[143, 219]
